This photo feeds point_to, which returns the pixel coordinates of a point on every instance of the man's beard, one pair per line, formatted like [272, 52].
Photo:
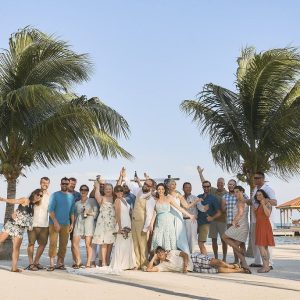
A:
[145, 189]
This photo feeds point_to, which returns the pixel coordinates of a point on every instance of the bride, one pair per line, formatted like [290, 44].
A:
[123, 257]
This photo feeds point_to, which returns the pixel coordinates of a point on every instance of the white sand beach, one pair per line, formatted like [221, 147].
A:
[282, 282]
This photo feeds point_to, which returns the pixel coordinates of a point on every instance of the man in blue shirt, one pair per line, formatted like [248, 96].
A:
[130, 197]
[208, 210]
[61, 222]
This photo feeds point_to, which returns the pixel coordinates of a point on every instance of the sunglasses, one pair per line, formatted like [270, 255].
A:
[40, 195]
[206, 186]
[84, 190]
[119, 191]
[64, 183]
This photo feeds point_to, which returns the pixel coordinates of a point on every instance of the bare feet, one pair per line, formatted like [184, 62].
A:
[264, 270]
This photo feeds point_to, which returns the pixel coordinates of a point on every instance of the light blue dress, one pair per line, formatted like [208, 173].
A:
[181, 237]
[164, 231]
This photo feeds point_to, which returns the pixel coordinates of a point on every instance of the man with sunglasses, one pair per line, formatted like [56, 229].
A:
[260, 183]
[61, 222]
[205, 217]
[141, 217]
[40, 230]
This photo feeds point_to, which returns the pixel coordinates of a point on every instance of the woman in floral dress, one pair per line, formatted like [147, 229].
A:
[106, 222]
[20, 221]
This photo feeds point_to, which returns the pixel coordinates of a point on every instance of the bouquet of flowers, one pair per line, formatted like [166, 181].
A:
[125, 232]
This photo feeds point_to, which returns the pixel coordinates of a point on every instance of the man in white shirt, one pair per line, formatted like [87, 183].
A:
[190, 227]
[259, 181]
[40, 230]
[141, 217]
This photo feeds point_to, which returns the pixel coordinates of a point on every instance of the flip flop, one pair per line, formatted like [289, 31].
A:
[61, 267]
[39, 266]
[76, 267]
[31, 267]
[255, 266]
[16, 271]
[50, 269]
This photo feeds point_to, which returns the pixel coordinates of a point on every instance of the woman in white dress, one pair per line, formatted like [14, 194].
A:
[123, 257]
[106, 222]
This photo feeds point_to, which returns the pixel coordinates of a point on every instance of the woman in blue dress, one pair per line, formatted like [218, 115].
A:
[164, 233]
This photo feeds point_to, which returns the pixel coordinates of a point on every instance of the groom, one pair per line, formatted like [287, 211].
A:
[141, 217]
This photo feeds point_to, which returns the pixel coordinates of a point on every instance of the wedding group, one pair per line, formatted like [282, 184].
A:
[144, 225]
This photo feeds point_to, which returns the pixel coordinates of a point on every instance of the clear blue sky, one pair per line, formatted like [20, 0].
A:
[148, 57]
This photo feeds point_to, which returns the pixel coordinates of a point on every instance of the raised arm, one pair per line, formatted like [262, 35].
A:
[132, 186]
[200, 172]
[98, 196]
[266, 205]
[14, 201]
[120, 179]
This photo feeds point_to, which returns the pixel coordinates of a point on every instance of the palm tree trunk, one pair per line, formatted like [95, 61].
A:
[249, 252]
[6, 247]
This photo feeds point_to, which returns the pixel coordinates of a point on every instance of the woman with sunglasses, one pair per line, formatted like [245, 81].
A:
[21, 220]
[86, 211]
[123, 257]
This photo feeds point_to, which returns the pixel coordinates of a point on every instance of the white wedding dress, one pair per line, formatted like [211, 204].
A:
[123, 256]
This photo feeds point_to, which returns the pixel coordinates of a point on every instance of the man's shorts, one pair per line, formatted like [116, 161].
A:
[39, 234]
[216, 228]
[201, 264]
[203, 232]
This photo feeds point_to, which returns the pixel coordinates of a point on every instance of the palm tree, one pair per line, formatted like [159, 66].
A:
[41, 122]
[257, 126]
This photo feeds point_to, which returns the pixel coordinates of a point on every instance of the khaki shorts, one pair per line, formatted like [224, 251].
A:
[39, 234]
[216, 228]
[203, 232]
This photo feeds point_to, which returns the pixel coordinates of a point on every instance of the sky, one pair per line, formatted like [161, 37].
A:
[148, 57]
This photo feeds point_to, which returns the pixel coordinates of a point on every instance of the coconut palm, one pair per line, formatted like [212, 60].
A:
[42, 123]
[257, 126]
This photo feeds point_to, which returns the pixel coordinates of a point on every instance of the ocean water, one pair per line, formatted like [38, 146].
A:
[279, 240]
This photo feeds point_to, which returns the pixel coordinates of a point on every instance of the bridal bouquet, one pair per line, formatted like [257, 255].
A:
[125, 232]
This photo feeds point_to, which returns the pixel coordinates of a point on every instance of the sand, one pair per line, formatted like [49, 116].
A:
[282, 282]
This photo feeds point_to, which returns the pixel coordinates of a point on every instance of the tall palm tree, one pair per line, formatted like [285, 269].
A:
[41, 121]
[257, 126]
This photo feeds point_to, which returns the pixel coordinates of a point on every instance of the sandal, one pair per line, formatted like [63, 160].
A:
[16, 270]
[255, 266]
[39, 266]
[76, 266]
[246, 270]
[31, 267]
[262, 270]
[61, 267]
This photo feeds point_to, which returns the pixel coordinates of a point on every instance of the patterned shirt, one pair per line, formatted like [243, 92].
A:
[230, 205]
[202, 264]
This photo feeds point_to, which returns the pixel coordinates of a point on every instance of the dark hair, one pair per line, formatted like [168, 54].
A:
[64, 179]
[118, 188]
[31, 197]
[153, 182]
[186, 183]
[83, 186]
[72, 179]
[263, 192]
[260, 173]
[240, 188]
[164, 186]
[45, 178]
[159, 249]
[206, 181]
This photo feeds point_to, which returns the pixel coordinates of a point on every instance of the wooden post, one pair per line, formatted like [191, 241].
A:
[280, 218]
